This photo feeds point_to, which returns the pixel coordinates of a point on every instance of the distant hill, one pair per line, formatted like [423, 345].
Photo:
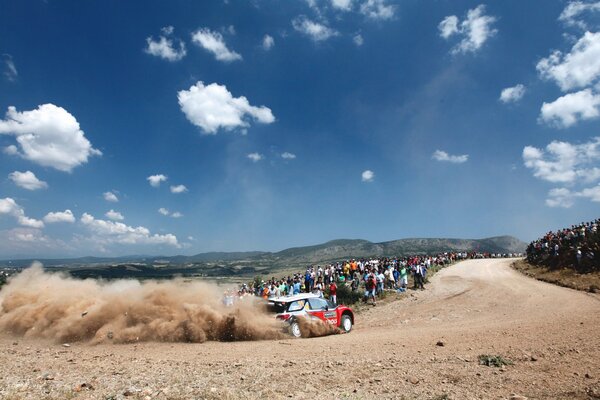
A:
[334, 250]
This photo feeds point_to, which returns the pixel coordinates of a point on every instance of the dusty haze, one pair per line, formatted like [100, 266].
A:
[55, 306]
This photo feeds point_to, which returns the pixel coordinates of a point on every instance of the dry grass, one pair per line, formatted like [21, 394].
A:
[565, 277]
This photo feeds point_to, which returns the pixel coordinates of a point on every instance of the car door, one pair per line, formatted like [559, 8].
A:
[319, 308]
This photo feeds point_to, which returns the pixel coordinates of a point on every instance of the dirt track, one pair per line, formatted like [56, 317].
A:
[551, 334]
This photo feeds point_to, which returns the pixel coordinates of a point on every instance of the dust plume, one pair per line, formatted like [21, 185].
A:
[55, 306]
[313, 328]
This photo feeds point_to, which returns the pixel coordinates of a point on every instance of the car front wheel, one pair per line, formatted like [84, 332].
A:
[346, 323]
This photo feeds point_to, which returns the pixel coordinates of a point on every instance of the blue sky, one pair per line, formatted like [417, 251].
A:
[269, 124]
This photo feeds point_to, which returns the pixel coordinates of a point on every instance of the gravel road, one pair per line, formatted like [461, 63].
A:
[424, 346]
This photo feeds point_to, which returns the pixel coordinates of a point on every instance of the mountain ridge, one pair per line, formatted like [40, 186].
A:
[313, 254]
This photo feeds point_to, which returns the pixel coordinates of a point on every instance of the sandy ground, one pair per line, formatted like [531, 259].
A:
[551, 334]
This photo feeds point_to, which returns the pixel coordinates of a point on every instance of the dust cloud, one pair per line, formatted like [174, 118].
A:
[315, 328]
[55, 306]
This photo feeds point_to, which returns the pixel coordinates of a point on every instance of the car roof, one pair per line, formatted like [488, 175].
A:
[288, 299]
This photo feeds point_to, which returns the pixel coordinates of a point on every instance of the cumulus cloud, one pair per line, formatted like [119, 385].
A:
[288, 156]
[117, 232]
[474, 30]
[155, 180]
[213, 107]
[576, 69]
[268, 42]
[255, 157]
[565, 162]
[575, 10]
[110, 196]
[27, 180]
[10, 70]
[48, 136]
[314, 30]
[8, 206]
[377, 9]
[565, 198]
[440, 155]
[343, 5]
[448, 26]
[164, 46]
[570, 108]
[560, 197]
[512, 94]
[214, 43]
[163, 211]
[114, 215]
[358, 40]
[59, 216]
[177, 214]
[368, 176]
[179, 189]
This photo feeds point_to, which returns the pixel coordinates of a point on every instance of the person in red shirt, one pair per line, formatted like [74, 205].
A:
[333, 292]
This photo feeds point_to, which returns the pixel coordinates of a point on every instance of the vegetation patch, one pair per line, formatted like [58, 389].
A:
[566, 277]
[493, 361]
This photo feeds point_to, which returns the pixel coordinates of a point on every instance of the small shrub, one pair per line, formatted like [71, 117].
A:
[493, 361]
[346, 296]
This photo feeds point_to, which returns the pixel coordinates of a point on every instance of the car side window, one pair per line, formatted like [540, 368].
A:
[317, 304]
[296, 305]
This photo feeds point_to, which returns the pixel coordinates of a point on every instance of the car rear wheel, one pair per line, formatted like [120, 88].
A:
[295, 329]
[346, 323]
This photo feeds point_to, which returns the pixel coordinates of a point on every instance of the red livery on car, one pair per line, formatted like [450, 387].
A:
[311, 306]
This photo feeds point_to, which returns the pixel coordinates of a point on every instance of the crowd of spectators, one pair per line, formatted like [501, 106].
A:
[577, 247]
[373, 276]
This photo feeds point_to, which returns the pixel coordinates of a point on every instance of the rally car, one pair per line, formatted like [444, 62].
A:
[313, 307]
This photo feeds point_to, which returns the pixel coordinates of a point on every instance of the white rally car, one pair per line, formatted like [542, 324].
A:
[313, 307]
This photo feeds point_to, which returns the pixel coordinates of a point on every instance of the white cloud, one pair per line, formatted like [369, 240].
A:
[59, 216]
[288, 156]
[440, 155]
[368, 176]
[10, 70]
[11, 150]
[358, 39]
[560, 197]
[570, 108]
[110, 196]
[475, 30]
[577, 69]
[27, 180]
[565, 198]
[177, 214]
[314, 30]
[118, 232]
[343, 5]
[448, 26]
[268, 42]
[572, 13]
[213, 107]
[164, 47]
[215, 44]
[163, 211]
[512, 94]
[9, 207]
[255, 157]
[48, 136]
[179, 189]
[155, 180]
[114, 215]
[377, 9]
[565, 162]
[592, 193]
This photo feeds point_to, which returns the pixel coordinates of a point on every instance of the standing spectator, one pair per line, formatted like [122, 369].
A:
[333, 292]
